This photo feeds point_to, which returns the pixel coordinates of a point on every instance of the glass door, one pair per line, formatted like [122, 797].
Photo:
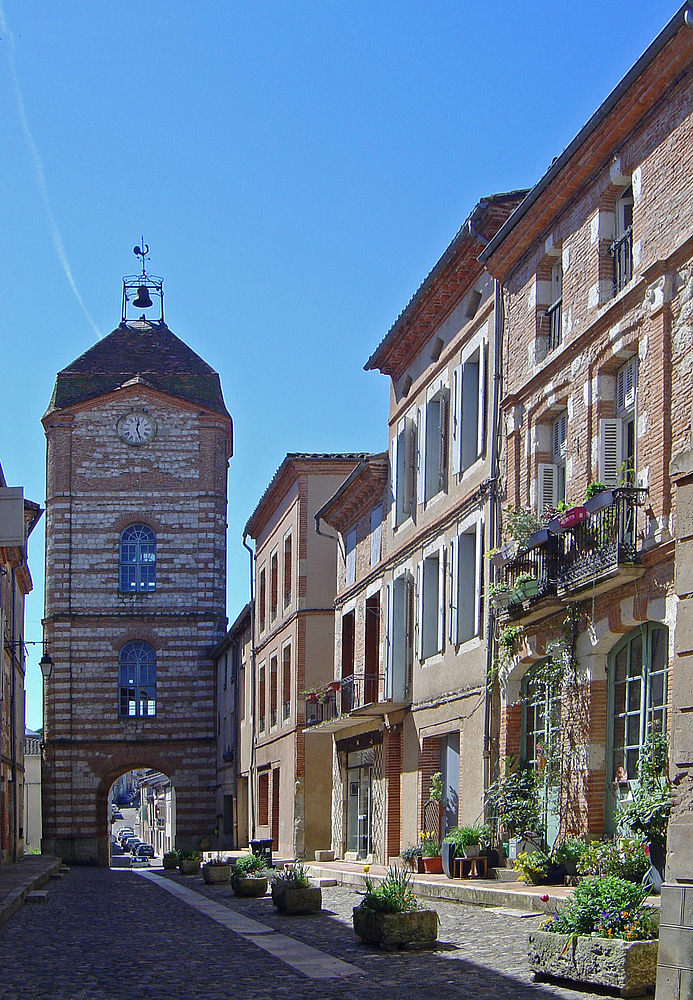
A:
[359, 802]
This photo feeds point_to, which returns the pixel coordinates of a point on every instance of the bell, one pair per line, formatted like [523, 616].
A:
[143, 300]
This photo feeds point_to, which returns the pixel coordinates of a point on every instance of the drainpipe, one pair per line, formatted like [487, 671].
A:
[13, 718]
[494, 521]
[251, 783]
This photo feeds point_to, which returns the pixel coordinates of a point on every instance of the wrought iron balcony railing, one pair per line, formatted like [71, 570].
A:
[358, 690]
[555, 329]
[567, 559]
[321, 708]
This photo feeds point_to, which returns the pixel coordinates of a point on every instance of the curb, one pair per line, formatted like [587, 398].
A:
[17, 896]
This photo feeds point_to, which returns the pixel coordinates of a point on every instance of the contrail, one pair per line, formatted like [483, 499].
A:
[40, 176]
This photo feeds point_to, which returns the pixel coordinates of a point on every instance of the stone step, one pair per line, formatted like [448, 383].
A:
[505, 874]
[56, 875]
[37, 896]
[64, 870]
[325, 883]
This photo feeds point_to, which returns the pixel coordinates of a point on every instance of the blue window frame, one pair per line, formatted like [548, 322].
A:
[137, 559]
[137, 679]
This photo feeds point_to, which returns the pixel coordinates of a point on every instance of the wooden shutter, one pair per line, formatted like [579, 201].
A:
[481, 416]
[467, 586]
[444, 415]
[453, 602]
[456, 456]
[441, 599]
[411, 466]
[626, 381]
[478, 575]
[470, 413]
[547, 493]
[421, 455]
[393, 481]
[389, 634]
[419, 610]
[610, 441]
[560, 435]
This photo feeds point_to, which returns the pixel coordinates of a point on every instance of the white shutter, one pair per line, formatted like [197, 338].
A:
[376, 534]
[560, 435]
[419, 611]
[456, 420]
[466, 618]
[421, 455]
[410, 500]
[389, 636]
[441, 599]
[481, 417]
[478, 575]
[393, 480]
[610, 440]
[547, 493]
[454, 587]
[626, 382]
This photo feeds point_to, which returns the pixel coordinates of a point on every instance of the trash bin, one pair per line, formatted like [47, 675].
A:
[263, 849]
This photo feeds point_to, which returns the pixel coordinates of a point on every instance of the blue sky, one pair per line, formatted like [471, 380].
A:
[297, 168]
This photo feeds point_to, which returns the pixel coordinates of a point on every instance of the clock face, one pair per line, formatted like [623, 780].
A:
[136, 428]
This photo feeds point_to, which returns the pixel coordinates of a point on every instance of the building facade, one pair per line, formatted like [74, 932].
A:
[18, 518]
[411, 649]
[138, 444]
[289, 783]
[596, 271]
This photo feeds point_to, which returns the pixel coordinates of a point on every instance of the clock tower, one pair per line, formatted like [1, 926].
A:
[138, 444]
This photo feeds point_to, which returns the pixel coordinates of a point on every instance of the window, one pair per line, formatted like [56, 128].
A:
[262, 698]
[617, 434]
[466, 574]
[351, 557]
[432, 447]
[552, 475]
[431, 606]
[622, 247]
[376, 534]
[288, 565]
[137, 679]
[403, 457]
[400, 620]
[469, 410]
[262, 600]
[274, 585]
[555, 309]
[372, 650]
[541, 742]
[263, 798]
[638, 693]
[286, 682]
[273, 691]
[137, 559]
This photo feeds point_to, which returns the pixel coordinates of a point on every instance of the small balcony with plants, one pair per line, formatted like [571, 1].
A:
[341, 704]
[593, 545]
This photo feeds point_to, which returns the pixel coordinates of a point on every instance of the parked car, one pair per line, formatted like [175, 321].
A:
[129, 843]
[144, 851]
[125, 832]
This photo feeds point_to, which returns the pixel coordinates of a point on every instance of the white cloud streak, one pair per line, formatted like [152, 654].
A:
[38, 169]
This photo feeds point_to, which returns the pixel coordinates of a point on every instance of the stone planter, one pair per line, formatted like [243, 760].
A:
[416, 929]
[189, 867]
[251, 886]
[170, 863]
[627, 966]
[216, 874]
[433, 866]
[297, 899]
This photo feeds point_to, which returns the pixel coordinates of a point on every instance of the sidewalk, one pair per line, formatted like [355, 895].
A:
[21, 877]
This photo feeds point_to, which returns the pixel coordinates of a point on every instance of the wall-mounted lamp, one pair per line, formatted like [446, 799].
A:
[46, 665]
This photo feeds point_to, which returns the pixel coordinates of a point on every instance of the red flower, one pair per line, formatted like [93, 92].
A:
[544, 899]
[647, 850]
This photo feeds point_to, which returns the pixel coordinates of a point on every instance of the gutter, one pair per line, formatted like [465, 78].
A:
[253, 737]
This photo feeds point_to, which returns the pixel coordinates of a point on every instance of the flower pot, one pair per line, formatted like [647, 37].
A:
[537, 538]
[189, 866]
[503, 556]
[501, 600]
[448, 852]
[471, 850]
[296, 899]
[252, 886]
[599, 501]
[627, 966]
[433, 866]
[216, 874]
[389, 930]
[572, 517]
[170, 863]
[529, 589]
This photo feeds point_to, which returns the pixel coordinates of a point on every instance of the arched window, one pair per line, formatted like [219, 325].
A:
[137, 679]
[637, 698]
[542, 743]
[137, 559]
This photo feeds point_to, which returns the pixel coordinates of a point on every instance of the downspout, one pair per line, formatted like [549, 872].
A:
[251, 769]
[494, 521]
[13, 717]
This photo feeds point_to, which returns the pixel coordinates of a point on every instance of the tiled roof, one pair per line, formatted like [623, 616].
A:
[440, 291]
[254, 523]
[362, 488]
[151, 355]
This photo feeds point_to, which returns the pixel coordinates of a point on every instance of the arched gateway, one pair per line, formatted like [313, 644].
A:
[138, 443]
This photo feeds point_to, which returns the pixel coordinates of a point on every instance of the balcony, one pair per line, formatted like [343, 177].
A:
[622, 252]
[345, 703]
[595, 548]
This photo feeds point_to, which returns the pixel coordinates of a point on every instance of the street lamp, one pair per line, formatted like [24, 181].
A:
[46, 665]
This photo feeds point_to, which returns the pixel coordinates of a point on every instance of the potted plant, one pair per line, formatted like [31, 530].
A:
[216, 871]
[523, 526]
[514, 802]
[603, 936]
[188, 862]
[171, 859]
[294, 893]
[626, 859]
[533, 867]
[527, 585]
[469, 841]
[389, 914]
[647, 814]
[500, 595]
[430, 852]
[502, 555]
[249, 876]
[567, 854]
[410, 856]
[597, 496]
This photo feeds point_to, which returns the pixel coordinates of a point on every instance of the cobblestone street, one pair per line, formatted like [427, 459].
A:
[114, 935]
